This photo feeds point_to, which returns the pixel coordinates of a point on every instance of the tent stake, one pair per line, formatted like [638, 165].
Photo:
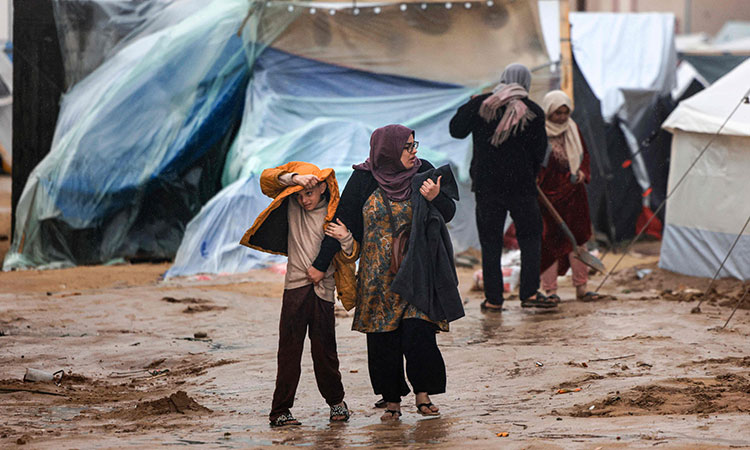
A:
[679, 182]
[697, 309]
[737, 306]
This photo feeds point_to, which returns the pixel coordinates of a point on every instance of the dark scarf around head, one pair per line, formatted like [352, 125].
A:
[386, 146]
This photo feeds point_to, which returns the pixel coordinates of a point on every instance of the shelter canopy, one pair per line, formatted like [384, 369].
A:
[706, 111]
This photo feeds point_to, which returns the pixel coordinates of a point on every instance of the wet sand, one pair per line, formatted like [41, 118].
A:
[654, 374]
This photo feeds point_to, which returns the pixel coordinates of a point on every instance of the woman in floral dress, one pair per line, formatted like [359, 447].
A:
[395, 329]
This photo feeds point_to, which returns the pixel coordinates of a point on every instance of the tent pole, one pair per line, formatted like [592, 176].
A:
[677, 185]
[566, 53]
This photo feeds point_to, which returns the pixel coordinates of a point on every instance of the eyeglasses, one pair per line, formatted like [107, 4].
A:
[411, 148]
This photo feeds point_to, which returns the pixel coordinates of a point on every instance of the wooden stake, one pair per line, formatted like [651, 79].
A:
[566, 52]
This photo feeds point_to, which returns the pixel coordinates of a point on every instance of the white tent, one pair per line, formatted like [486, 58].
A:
[708, 210]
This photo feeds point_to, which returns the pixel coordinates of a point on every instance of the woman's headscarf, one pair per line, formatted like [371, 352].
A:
[514, 86]
[573, 147]
[386, 146]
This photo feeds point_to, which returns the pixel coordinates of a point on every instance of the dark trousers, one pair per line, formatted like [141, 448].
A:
[491, 211]
[416, 341]
[303, 312]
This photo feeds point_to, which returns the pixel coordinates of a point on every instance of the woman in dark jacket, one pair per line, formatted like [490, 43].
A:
[395, 329]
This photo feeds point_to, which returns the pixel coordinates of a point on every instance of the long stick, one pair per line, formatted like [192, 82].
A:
[737, 306]
[679, 182]
[587, 258]
[697, 309]
[33, 391]
[612, 359]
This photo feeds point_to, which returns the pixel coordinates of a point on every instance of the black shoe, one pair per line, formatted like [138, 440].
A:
[491, 306]
[540, 301]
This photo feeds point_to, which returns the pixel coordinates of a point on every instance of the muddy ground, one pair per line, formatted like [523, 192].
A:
[192, 362]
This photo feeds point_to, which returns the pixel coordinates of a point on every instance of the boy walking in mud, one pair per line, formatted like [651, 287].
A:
[304, 201]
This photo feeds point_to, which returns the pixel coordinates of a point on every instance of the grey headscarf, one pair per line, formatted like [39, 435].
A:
[516, 73]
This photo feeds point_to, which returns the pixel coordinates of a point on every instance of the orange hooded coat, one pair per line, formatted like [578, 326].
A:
[269, 232]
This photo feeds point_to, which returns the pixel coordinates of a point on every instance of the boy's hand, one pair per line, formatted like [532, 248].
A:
[430, 189]
[337, 230]
[306, 181]
[315, 275]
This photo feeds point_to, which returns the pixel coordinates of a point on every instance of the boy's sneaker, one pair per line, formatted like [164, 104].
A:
[341, 411]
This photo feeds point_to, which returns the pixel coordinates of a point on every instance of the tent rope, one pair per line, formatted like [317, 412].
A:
[739, 302]
[697, 309]
[679, 182]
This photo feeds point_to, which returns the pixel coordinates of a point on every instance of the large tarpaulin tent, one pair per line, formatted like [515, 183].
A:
[708, 210]
[139, 138]
[332, 75]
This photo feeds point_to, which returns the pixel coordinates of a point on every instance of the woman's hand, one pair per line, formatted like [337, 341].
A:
[306, 181]
[579, 177]
[337, 230]
[315, 275]
[430, 189]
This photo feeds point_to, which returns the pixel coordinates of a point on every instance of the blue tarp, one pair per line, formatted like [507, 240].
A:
[300, 109]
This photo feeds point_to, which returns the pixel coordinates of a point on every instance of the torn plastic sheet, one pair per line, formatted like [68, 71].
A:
[139, 146]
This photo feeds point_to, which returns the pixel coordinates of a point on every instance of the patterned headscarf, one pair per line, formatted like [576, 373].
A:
[514, 86]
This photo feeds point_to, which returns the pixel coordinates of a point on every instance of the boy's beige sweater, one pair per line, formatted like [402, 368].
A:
[306, 232]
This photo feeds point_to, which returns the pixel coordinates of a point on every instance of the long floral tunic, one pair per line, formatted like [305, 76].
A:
[378, 308]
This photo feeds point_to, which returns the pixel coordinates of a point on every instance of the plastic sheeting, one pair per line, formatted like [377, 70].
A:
[90, 31]
[445, 42]
[699, 253]
[330, 125]
[139, 143]
[627, 59]
[329, 79]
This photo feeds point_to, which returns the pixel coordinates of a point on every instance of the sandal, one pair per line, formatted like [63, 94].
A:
[340, 411]
[490, 306]
[591, 297]
[394, 415]
[428, 406]
[540, 301]
[381, 403]
[554, 298]
[285, 420]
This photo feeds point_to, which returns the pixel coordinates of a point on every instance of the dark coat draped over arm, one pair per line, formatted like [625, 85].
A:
[427, 278]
